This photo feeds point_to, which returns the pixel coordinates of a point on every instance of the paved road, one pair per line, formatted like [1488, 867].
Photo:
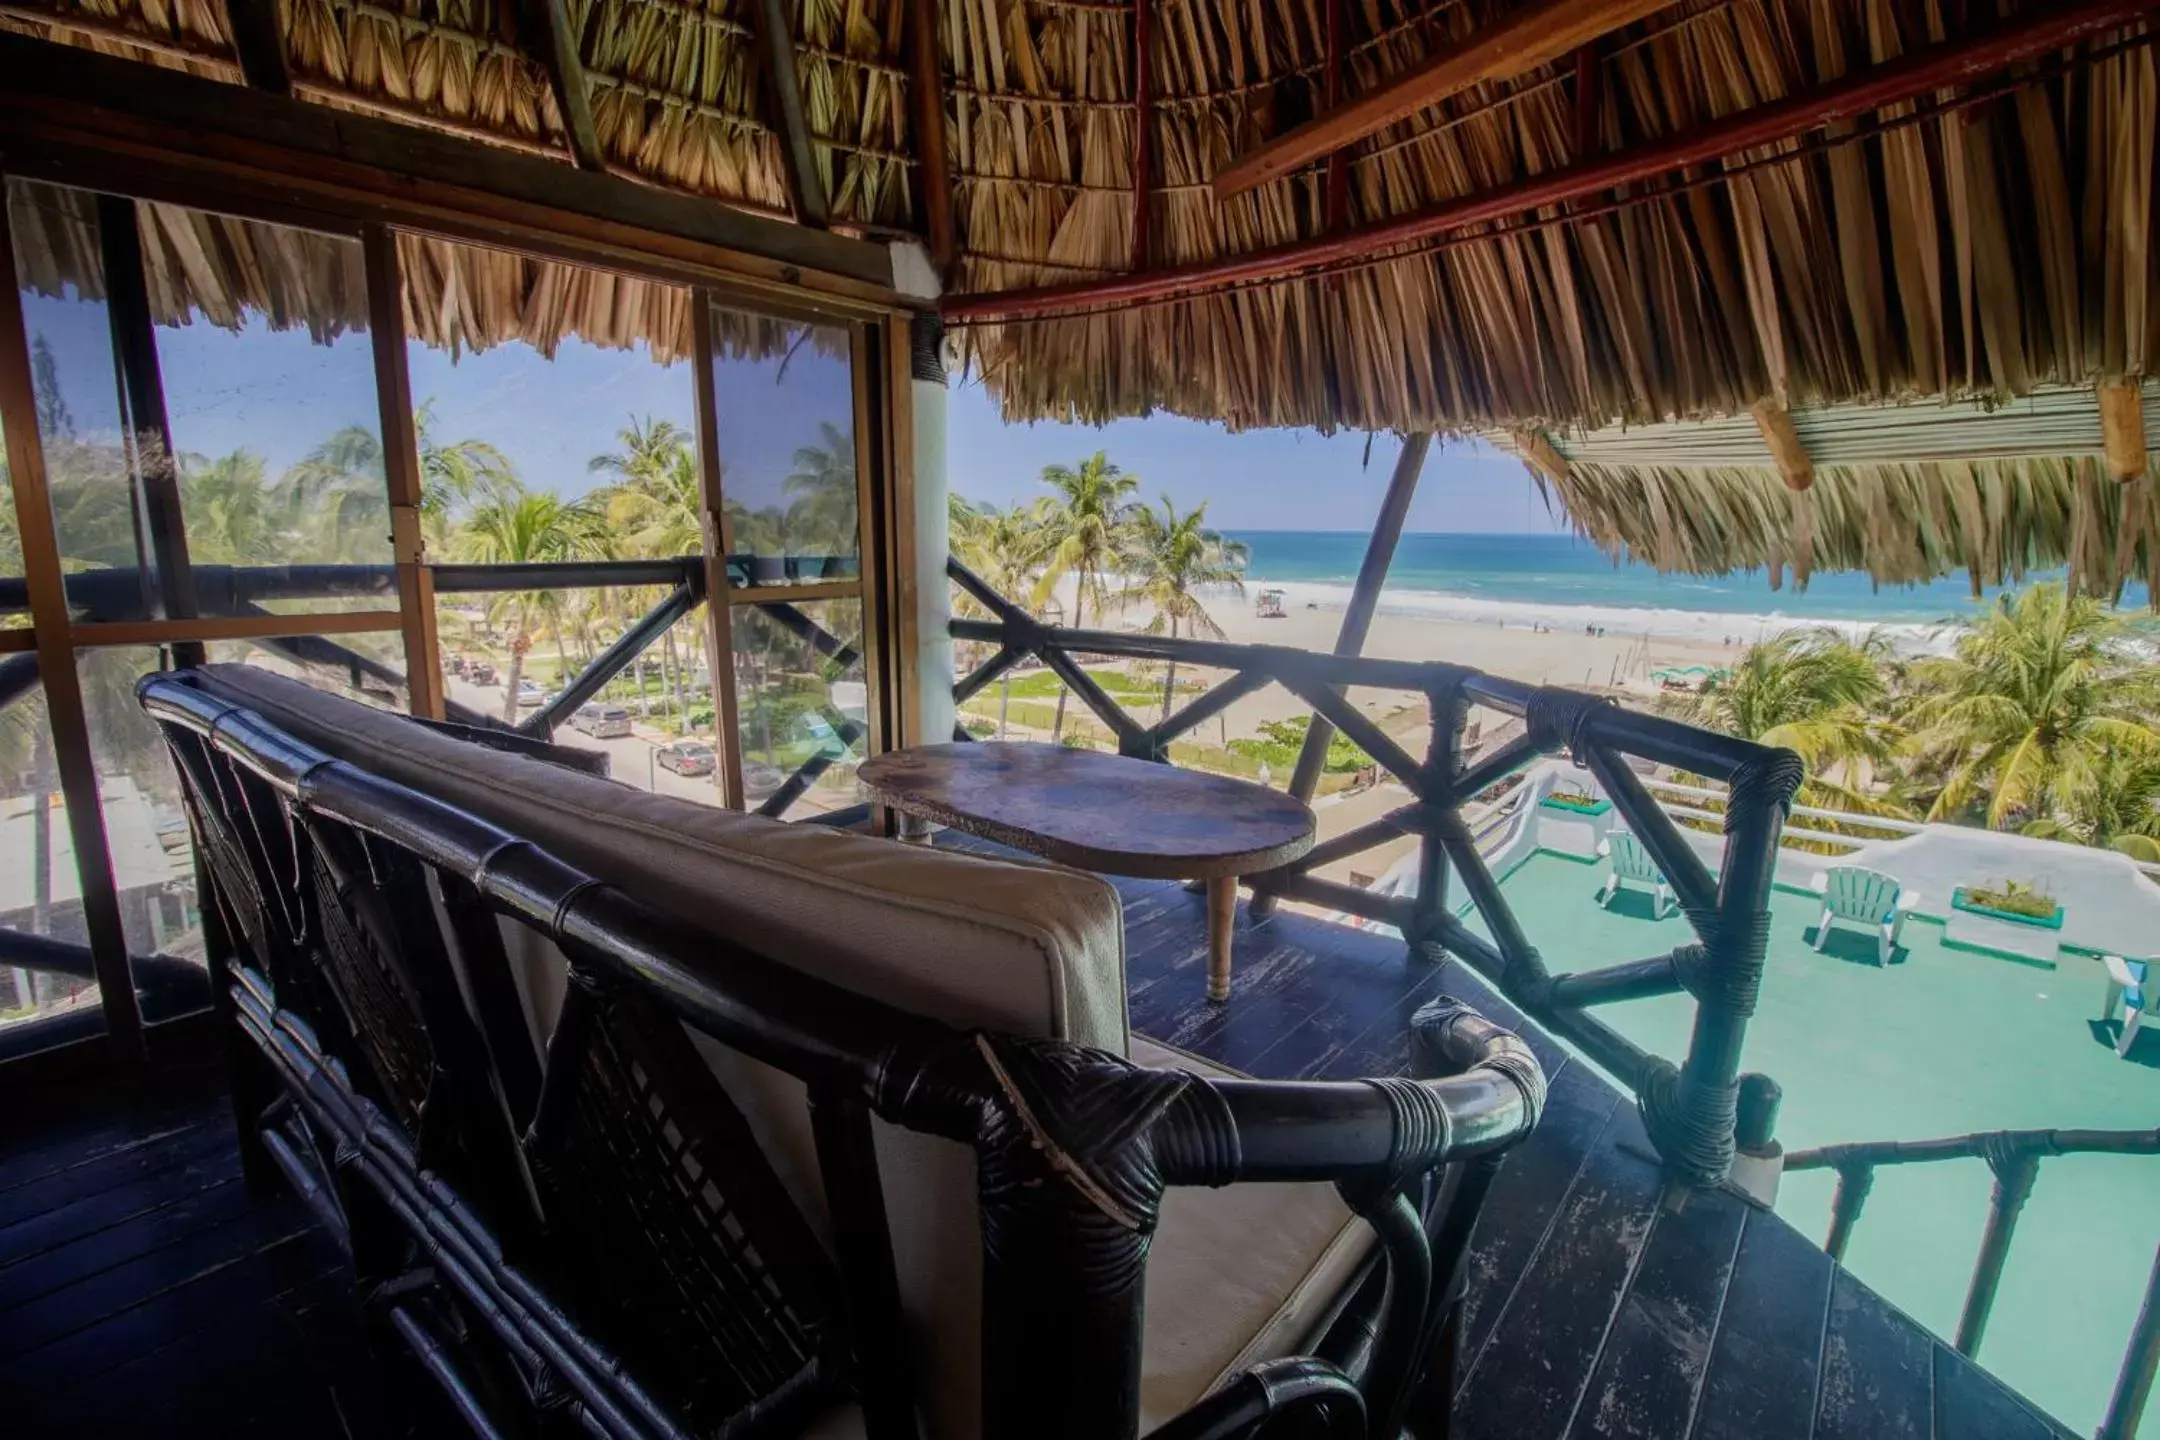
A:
[629, 757]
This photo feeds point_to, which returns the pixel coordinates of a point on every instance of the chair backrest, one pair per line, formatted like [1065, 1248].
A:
[1023, 949]
[1854, 892]
[1631, 862]
[660, 1224]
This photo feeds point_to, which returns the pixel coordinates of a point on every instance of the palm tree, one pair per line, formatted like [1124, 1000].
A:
[2115, 806]
[2039, 699]
[1171, 557]
[823, 486]
[461, 473]
[234, 515]
[1088, 523]
[1003, 548]
[1811, 691]
[519, 528]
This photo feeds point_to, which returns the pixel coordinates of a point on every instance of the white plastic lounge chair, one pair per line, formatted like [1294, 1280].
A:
[1860, 896]
[1632, 864]
[2134, 990]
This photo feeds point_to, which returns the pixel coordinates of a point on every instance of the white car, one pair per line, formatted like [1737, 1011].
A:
[529, 695]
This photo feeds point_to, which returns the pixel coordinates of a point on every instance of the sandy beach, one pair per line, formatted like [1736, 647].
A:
[1615, 661]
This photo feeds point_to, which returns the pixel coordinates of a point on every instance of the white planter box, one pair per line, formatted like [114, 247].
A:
[1982, 931]
[1573, 832]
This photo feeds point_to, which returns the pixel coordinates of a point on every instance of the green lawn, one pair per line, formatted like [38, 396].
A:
[1944, 1043]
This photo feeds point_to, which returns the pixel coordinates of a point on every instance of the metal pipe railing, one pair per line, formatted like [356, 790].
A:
[1690, 1109]
[2015, 1157]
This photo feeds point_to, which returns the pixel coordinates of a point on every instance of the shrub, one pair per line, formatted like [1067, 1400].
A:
[2015, 898]
[1279, 742]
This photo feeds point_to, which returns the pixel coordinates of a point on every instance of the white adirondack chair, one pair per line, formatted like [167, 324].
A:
[2134, 992]
[1860, 896]
[1631, 864]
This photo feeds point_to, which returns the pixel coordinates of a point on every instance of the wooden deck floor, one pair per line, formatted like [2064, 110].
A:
[144, 1290]
[1597, 1308]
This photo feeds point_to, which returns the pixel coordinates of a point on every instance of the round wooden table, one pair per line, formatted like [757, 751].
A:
[1104, 812]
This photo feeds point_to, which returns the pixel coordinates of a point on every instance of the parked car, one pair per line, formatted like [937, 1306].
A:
[529, 695]
[457, 664]
[760, 780]
[480, 672]
[602, 722]
[686, 757]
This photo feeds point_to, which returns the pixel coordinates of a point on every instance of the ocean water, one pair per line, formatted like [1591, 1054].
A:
[1564, 581]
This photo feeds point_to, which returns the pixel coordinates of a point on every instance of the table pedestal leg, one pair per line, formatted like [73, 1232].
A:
[1221, 922]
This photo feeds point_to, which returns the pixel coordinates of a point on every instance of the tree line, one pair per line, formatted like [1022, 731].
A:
[1092, 530]
[2044, 719]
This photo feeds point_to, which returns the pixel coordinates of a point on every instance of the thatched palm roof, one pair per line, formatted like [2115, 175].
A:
[1904, 493]
[1945, 248]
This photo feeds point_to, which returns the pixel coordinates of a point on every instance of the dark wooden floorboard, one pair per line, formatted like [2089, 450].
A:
[1532, 1371]
[143, 1288]
[1971, 1404]
[1878, 1372]
[1658, 1349]
[1766, 1360]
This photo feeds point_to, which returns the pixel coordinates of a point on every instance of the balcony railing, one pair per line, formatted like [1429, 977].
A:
[2014, 1156]
[1691, 1108]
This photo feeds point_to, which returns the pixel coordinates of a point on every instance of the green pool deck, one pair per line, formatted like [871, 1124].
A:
[1942, 1042]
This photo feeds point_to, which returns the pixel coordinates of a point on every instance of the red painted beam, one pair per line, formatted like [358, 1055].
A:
[1143, 160]
[1940, 67]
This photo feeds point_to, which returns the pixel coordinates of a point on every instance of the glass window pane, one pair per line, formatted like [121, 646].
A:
[270, 394]
[60, 272]
[14, 599]
[368, 667]
[661, 698]
[784, 401]
[39, 894]
[146, 834]
[802, 702]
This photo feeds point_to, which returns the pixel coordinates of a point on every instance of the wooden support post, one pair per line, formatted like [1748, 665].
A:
[719, 616]
[156, 468]
[1522, 40]
[1775, 422]
[62, 682]
[562, 57]
[1335, 201]
[2122, 429]
[783, 104]
[1589, 101]
[926, 118]
[1365, 597]
[259, 43]
[401, 471]
[1537, 450]
[1143, 159]
[1853, 1184]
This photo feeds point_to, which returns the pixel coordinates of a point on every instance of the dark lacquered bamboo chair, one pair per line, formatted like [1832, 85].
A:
[662, 1191]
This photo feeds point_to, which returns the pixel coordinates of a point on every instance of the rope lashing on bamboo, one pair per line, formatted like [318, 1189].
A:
[1421, 1132]
[1772, 778]
[1690, 1123]
[1556, 718]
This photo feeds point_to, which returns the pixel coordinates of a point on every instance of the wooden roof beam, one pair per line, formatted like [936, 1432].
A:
[1775, 422]
[259, 44]
[2122, 428]
[1535, 35]
[563, 59]
[1951, 64]
[926, 120]
[782, 87]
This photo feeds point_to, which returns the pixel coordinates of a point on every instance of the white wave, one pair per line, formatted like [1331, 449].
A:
[1659, 621]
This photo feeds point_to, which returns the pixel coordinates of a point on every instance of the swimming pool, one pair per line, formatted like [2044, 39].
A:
[1942, 1043]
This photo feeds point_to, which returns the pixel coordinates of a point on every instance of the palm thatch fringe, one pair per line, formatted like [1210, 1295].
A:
[1997, 520]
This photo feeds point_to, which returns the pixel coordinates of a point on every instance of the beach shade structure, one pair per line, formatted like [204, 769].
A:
[1631, 864]
[2133, 990]
[1860, 896]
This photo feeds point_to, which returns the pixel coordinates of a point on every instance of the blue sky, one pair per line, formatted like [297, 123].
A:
[279, 394]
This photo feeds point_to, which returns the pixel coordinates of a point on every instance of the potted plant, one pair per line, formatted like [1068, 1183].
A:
[2020, 919]
[1573, 821]
[1573, 797]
